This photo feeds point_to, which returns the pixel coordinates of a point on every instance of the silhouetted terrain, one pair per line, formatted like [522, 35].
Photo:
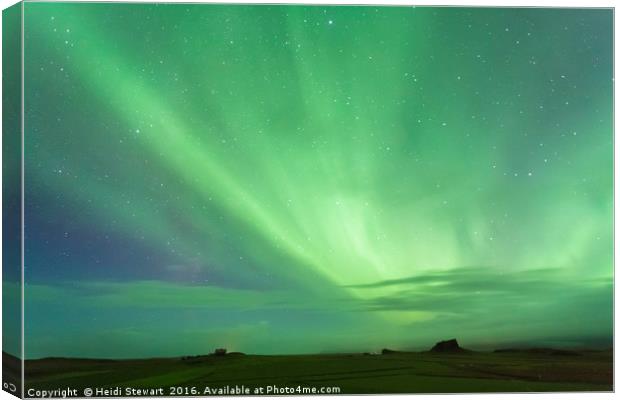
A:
[11, 374]
[448, 346]
[510, 370]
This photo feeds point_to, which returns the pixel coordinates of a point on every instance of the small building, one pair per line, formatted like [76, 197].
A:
[220, 352]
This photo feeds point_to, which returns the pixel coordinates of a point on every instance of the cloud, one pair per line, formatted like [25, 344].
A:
[463, 289]
[488, 306]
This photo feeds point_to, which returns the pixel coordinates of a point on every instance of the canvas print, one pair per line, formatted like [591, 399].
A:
[220, 199]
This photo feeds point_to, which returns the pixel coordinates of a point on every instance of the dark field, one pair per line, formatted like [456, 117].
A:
[423, 372]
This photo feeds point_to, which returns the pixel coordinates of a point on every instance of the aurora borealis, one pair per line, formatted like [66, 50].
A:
[300, 179]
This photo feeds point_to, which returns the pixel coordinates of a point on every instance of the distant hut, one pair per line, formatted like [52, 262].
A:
[220, 352]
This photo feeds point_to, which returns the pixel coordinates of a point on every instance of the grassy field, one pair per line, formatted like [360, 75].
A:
[422, 372]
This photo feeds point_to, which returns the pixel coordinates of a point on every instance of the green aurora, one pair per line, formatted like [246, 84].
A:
[300, 179]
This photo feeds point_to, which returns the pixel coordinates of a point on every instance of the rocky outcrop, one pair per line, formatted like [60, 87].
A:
[447, 346]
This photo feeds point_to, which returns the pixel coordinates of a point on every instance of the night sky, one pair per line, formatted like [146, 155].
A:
[294, 179]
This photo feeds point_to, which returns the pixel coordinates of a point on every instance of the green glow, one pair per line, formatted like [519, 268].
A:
[375, 172]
